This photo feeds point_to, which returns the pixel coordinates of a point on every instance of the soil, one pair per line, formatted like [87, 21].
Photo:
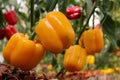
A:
[8, 72]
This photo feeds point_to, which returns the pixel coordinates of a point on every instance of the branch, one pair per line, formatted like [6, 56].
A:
[92, 11]
[32, 14]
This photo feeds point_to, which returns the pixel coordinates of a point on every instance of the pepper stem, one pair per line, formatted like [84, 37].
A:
[32, 14]
[32, 36]
[81, 31]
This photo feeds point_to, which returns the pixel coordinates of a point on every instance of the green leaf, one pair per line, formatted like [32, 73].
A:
[88, 6]
[73, 2]
[48, 4]
[106, 5]
[62, 5]
[52, 6]
[109, 30]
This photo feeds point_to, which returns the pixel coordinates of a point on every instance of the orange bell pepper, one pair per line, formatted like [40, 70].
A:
[92, 40]
[22, 52]
[55, 32]
[75, 58]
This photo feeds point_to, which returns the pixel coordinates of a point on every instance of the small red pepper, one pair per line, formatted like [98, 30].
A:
[73, 12]
[1, 33]
[11, 17]
[9, 31]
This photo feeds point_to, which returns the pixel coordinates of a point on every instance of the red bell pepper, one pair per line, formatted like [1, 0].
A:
[1, 33]
[73, 12]
[9, 31]
[11, 17]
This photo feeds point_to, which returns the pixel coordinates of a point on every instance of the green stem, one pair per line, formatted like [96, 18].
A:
[32, 14]
[32, 36]
[93, 20]
[2, 20]
[53, 5]
[92, 11]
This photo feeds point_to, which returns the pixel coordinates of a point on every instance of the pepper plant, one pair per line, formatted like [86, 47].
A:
[106, 10]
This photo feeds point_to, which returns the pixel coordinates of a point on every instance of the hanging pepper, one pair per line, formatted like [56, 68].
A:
[92, 40]
[2, 35]
[9, 31]
[22, 52]
[11, 17]
[75, 58]
[55, 32]
[73, 12]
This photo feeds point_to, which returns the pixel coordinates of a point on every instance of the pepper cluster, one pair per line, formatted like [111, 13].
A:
[54, 32]
[8, 29]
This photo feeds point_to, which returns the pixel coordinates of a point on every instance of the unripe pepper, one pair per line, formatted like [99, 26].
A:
[92, 40]
[9, 31]
[22, 52]
[55, 32]
[75, 58]
[11, 17]
[73, 12]
[2, 34]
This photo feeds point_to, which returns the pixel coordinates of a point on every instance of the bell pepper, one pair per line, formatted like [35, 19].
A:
[92, 40]
[22, 52]
[90, 59]
[11, 17]
[2, 34]
[55, 32]
[73, 12]
[9, 31]
[75, 58]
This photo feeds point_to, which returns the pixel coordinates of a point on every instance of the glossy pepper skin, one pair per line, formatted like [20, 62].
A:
[75, 58]
[55, 32]
[92, 40]
[11, 17]
[9, 31]
[2, 34]
[73, 12]
[90, 59]
[22, 52]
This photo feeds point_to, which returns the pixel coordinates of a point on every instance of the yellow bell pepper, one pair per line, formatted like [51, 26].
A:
[92, 40]
[22, 52]
[55, 32]
[75, 58]
[90, 59]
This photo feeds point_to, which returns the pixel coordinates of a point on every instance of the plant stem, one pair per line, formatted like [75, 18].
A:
[32, 13]
[87, 20]
[2, 20]
[32, 36]
[93, 20]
